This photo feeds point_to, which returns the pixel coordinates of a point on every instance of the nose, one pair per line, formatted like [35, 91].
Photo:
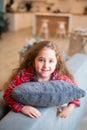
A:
[46, 64]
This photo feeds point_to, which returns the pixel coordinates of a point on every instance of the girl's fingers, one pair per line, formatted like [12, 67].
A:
[34, 115]
[31, 111]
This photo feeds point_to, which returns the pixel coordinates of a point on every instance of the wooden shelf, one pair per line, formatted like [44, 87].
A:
[53, 22]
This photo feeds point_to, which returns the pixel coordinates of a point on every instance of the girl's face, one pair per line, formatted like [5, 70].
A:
[45, 64]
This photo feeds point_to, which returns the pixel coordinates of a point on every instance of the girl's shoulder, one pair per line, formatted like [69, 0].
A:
[67, 79]
[28, 70]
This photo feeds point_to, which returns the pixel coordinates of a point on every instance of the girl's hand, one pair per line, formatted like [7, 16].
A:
[65, 111]
[31, 111]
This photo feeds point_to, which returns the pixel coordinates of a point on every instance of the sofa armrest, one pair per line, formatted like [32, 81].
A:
[4, 109]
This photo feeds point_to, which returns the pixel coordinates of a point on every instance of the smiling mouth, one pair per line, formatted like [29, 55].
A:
[45, 70]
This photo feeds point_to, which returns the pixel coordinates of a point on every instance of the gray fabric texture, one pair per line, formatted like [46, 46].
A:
[43, 94]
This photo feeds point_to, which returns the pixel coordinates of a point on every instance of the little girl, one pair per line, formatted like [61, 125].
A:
[43, 62]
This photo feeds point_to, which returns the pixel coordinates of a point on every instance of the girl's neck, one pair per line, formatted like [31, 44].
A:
[43, 79]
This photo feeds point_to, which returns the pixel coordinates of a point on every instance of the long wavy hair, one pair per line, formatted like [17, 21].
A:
[31, 54]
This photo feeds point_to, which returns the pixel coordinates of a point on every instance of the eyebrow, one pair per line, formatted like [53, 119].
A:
[48, 58]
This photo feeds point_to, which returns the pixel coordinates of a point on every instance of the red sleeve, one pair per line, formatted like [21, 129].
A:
[65, 78]
[7, 94]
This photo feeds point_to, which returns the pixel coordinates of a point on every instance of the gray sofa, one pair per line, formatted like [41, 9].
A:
[49, 119]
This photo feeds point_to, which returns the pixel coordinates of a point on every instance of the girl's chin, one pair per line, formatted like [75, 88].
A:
[45, 76]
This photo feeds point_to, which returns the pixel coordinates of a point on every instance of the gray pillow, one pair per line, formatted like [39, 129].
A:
[50, 93]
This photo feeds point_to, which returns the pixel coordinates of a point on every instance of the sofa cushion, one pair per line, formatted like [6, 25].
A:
[50, 93]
